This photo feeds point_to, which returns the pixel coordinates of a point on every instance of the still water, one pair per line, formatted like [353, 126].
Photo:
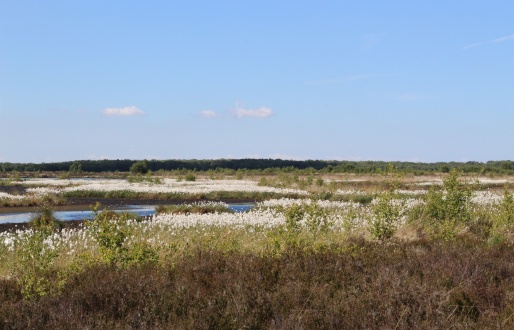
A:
[140, 210]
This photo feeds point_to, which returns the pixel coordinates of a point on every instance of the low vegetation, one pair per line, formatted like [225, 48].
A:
[196, 208]
[391, 255]
[356, 285]
[261, 166]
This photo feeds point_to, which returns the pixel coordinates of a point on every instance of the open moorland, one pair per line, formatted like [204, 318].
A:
[318, 249]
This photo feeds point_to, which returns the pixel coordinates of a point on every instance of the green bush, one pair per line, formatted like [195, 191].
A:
[387, 208]
[35, 270]
[110, 232]
[45, 221]
[503, 219]
[140, 167]
[449, 208]
[452, 202]
[190, 177]
[387, 212]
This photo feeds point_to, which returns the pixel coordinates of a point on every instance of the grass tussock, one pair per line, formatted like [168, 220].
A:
[353, 285]
[199, 208]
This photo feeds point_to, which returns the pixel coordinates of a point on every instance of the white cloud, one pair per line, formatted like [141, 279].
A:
[502, 39]
[125, 111]
[262, 112]
[209, 114]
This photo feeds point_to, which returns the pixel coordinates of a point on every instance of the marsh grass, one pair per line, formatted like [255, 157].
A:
[198, 208]
[215, 195]
[148, 177]
[455, 270]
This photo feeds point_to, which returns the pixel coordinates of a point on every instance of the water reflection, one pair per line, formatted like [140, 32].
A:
[140, 210]
[73, 215]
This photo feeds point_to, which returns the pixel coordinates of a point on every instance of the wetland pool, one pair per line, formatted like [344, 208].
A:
[140, 210]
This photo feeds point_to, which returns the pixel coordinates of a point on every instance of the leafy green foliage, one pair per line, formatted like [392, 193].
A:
[35, 268]
[45, 221]
[36, 257]
[111, 233]
[452, 202]
[503, 219]
[448, 208]
[140, 167]
[388, 208]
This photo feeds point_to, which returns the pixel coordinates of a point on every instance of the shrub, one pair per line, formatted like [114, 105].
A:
[190, 177]
[34, 271]
[503, 219]
[45, 221]
[263, 182]
[140, 167]
[387, 209]
[448, 208]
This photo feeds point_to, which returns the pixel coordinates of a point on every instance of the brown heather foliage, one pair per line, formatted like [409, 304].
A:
[358, 285]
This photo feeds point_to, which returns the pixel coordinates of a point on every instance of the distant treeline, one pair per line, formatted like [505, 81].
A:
[264, 166]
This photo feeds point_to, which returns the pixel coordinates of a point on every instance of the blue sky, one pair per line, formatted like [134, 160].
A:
[359, 80]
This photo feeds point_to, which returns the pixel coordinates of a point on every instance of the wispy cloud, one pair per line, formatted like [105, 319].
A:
[346, 79]
[476, 44]
[209, 114]
[502, 39]
[125, 111]
[262, 112]
[493, 41]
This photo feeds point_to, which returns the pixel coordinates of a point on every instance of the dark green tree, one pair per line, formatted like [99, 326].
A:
[506, 165]
[140, 167]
